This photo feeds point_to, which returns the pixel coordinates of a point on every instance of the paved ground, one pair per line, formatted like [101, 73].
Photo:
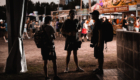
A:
[35, 63]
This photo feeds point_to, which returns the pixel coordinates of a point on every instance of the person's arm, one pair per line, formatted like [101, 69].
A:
[126, 23]
[2, 27]
[50, 34]
[100, 38]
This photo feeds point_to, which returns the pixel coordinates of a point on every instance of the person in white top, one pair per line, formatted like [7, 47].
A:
[137, 25]
[25, 31]
[84, 33]
[91, 23]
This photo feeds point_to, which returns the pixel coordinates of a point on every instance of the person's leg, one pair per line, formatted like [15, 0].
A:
[82, 35]
[129, 28]
[60, 35]
[27, 35]
[87, 37]
[76, 61]
[75, 58]
[68, 58]
[23, 35]
[67, 61]
[100, 62]
[54, 67]
[46, 68]
[5, 39]
[56, 33]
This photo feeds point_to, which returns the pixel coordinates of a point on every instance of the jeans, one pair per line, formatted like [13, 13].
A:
[130, 28]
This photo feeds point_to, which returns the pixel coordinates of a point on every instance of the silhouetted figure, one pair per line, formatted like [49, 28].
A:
[98, 41]
[70, 32]
[125, 24]
[48, 49]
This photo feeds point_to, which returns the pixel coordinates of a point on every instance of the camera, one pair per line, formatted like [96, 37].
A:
[92, 45]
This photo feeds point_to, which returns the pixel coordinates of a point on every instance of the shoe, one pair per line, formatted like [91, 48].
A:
[98, 71]
[88, 40]
[83, 40]
[79, 70]
[28, 37]
[6, 41]
[67, 70]
[56, 78]
[47, 78]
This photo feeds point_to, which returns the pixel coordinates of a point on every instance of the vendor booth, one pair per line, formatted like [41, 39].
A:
[123, 7]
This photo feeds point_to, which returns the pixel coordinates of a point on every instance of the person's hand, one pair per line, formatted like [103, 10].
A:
[99, 46]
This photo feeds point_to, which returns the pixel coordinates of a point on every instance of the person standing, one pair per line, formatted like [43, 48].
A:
[2, 30]
[48, 49]
[57, 27]
[25, 31]
[91, 23]
[131, 23]
[70, 30]
[33, 28]
[85, 31]
[125, 24]
[37, 26]
[137, 25]
[98, 41]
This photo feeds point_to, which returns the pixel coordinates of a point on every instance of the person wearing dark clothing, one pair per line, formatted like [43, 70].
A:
[131, 23]
[70, 32]
[2, 30]
[58, 27]
[125, 23]
[48, 49]
[98, 41]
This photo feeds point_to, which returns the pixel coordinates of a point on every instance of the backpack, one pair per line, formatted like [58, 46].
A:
[107, 29]
[107, 32]
[40, 38]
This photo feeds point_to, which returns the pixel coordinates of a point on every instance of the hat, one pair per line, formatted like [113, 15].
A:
[71, 11]
[1, 20]
[95, 12]
[48, 18]
[84, 17]
[132, 14]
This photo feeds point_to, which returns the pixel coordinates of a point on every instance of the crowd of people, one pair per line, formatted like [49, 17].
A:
[69, 30]
[129, 23]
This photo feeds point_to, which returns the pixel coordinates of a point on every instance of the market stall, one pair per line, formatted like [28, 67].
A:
[125, 7]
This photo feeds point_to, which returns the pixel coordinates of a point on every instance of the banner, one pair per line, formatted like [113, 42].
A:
[82, 12]
[115, 9]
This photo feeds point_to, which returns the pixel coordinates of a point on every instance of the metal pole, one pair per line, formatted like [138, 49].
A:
[81, 5]
[58, 8]
[89, 5]
[45, 10]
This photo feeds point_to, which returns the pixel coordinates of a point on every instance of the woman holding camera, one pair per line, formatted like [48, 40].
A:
[70, 32]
